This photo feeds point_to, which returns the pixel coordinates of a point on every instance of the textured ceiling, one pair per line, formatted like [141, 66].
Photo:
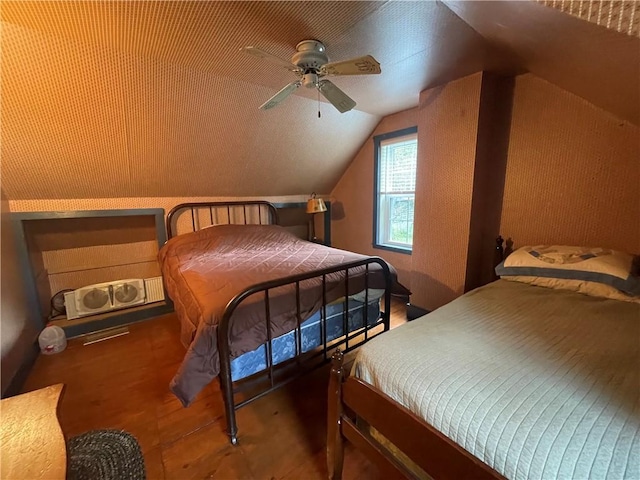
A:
[620, 15]
[593, 61]
[121, 99]
[409, 39]
[145, 99]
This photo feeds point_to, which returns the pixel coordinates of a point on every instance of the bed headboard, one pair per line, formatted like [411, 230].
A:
[197, 215]
[501, 251]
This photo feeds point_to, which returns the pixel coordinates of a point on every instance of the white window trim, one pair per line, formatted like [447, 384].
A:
[379, 223]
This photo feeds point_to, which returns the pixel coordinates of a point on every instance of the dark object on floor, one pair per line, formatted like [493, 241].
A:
[414, 312]
[105, 455]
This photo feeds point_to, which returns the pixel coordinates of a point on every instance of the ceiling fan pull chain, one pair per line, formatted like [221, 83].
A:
[318, 92]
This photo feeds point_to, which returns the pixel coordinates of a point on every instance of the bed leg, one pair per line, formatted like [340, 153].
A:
[227, 396]
[387, 309]
[230, 413]
[335, 447]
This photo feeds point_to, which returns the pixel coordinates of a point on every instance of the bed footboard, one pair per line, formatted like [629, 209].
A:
[372, 421]
[307, 360]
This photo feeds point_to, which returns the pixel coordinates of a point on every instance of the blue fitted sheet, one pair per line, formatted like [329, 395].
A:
[284, 347]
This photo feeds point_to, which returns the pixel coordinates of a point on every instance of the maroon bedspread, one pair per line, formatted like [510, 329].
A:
[204, 270]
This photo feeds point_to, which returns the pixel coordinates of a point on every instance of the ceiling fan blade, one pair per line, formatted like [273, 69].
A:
[258, 52]
[336, 97]
[280, 96]
[366, 65]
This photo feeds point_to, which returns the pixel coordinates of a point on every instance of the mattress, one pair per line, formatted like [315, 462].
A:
[284, 347]
[537, 383]
[204, 270]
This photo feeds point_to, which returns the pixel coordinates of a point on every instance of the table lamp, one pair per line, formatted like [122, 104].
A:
[314, 205]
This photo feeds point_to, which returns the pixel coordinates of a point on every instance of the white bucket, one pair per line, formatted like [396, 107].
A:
[52, 340]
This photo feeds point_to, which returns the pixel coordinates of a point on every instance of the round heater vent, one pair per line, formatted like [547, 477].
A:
[126, 293]
[95, 299]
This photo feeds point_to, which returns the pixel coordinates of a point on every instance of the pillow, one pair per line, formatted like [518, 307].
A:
[592, 289]
[596, 265]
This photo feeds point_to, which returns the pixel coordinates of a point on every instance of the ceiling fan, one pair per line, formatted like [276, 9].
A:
[311, 64]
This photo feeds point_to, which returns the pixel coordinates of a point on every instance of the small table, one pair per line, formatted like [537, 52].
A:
[31, 440]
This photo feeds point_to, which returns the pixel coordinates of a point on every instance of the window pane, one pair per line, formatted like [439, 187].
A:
[401, 219]
[398, 167]
[395, 189]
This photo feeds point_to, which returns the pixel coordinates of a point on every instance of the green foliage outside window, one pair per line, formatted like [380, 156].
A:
[401, 220]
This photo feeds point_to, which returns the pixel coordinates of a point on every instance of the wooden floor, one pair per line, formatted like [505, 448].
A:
[122, 383]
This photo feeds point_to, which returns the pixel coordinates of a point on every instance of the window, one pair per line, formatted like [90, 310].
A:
[396, 156]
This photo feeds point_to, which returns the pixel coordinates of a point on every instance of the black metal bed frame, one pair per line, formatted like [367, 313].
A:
[303, 362]
[176, 211]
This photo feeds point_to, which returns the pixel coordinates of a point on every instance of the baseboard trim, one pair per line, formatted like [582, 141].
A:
[414, 311]
[18, 380]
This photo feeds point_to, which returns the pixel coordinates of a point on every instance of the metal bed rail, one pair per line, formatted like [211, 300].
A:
[270, 217]
[224, 327]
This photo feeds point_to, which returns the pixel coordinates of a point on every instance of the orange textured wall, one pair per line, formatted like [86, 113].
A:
[352, 200]
[447, 131]
[572, 173]
[17, 322]
[447, 120]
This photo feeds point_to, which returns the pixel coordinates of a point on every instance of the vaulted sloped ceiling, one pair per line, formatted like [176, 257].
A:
[109, 99]
[134, 98]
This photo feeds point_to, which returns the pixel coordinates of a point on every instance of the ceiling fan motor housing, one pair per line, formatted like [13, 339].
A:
[310, 80]
[310, 56]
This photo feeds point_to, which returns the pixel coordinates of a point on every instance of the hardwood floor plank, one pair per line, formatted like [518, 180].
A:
[312, 468]
[205, 453]
[153, 464]
[183, 421]
[356, 467]
[123, 383]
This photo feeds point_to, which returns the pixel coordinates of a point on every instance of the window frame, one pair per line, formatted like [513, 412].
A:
[377, 141]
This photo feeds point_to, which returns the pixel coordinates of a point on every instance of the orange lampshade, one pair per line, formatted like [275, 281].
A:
[316, 205]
